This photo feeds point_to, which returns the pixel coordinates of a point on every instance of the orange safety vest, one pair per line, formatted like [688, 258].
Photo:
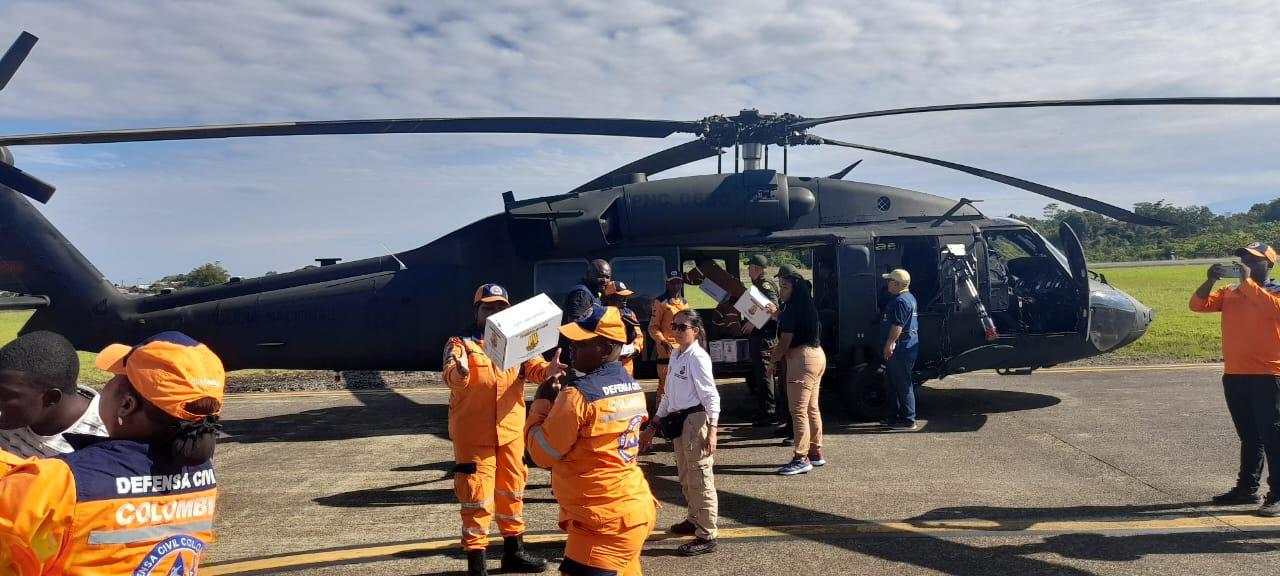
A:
[106, 509]
[590, 439]
[487, 407]
[664, 313]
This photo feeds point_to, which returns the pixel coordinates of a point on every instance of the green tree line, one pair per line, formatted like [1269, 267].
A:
[1196, 232]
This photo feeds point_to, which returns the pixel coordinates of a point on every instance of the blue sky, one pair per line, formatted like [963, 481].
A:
[140, 211]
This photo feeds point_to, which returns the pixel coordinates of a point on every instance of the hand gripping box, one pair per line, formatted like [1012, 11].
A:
[752, 306]
[522, 331]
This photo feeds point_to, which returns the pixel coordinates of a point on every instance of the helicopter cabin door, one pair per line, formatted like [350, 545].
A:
[1079, 272]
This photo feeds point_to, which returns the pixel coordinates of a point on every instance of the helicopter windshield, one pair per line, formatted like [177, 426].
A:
[1057, 254]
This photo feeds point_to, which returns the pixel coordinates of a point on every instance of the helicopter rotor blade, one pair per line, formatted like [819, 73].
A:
[657, 162]
[1060, 195]
[24, 183]
[1182, 101]
[507, 125]
[14, 56]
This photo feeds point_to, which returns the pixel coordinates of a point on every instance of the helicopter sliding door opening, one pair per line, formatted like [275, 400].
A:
[1031, 291]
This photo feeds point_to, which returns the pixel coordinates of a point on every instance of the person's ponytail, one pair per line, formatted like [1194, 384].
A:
[193, 442]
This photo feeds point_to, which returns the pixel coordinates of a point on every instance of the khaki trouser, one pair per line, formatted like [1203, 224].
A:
[805, 365]
[694, 467]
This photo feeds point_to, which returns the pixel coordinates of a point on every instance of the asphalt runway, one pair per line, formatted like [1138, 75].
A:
[1067, 472]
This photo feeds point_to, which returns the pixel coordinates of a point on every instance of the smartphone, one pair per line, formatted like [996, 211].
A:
[1227, 270]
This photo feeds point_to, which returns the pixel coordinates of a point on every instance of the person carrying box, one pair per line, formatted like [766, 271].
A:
[486, 424]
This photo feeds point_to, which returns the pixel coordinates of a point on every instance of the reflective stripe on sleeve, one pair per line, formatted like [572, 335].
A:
[542, 441]
[98, 537]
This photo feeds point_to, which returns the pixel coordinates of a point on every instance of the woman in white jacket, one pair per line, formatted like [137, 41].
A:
[691, 409]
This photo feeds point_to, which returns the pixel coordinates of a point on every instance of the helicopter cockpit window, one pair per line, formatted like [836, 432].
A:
[557, 277]
[645, 275]
[1034, 279]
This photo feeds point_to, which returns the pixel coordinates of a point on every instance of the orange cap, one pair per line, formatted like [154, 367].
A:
[490, 293]
[1261, 250]
[618, 288]
[605, 322]
[170, 370]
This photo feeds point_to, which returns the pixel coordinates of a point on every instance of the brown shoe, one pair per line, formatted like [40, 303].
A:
[697, 546]
[684, 528]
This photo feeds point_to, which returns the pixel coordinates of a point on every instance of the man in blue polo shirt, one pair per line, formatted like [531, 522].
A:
[901, 344]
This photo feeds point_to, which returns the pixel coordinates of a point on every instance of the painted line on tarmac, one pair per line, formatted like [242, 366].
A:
[939, 528]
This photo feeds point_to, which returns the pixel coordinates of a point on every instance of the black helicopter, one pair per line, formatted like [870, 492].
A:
[391, 313]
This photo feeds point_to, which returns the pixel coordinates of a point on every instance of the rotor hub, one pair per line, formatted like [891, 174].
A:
[749, 126]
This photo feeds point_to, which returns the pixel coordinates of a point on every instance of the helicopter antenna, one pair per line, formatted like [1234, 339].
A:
[393, 255]
[847, 169]
[946, 215]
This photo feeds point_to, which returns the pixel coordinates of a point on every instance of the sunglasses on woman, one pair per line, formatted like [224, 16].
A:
[680, 327]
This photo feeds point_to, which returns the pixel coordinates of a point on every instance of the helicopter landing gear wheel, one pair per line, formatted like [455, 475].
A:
[863, 392]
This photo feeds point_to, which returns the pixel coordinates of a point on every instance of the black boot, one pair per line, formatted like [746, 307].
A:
[476, 563]
[515, 559]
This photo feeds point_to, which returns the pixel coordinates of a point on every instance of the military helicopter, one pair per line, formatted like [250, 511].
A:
[1042, 306]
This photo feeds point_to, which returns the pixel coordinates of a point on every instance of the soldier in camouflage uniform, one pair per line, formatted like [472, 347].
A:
[762, 340]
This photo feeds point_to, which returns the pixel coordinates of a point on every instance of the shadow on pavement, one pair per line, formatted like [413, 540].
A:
[960, 559]
[383, 412]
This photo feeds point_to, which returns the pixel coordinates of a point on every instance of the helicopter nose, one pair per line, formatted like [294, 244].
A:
[1117, 319]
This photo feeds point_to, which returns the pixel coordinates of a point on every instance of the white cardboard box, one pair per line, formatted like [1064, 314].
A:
[713, 290]
[735, 350]
[717, 350]
[752, 306]
[522, 331]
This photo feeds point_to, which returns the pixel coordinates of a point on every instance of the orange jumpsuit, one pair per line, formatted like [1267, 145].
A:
[590, 438]
[104, 509]
[486, 422]
[664, 313]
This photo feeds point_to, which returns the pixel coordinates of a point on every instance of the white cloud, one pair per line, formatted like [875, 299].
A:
[147, 209]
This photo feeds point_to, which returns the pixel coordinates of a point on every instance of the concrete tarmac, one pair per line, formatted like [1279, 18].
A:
[1068, 472]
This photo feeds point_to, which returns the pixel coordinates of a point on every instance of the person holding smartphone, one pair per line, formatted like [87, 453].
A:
[1251, 357]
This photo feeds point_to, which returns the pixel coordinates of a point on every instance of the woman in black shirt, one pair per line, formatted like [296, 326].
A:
[799, 344]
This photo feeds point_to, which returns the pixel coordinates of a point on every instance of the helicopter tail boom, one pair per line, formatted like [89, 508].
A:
[52, 276]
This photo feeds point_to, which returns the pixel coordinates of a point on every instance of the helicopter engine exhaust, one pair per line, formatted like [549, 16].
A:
[750, 200]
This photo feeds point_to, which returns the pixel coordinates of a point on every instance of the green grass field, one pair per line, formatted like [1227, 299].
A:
[11, 322]
[1176, 335]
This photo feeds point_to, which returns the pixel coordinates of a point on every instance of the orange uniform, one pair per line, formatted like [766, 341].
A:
[664, 313]
[105, 509]
[637, 340]
[486, 424]
[1250, 326]
[114, 506]
[590, 439]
